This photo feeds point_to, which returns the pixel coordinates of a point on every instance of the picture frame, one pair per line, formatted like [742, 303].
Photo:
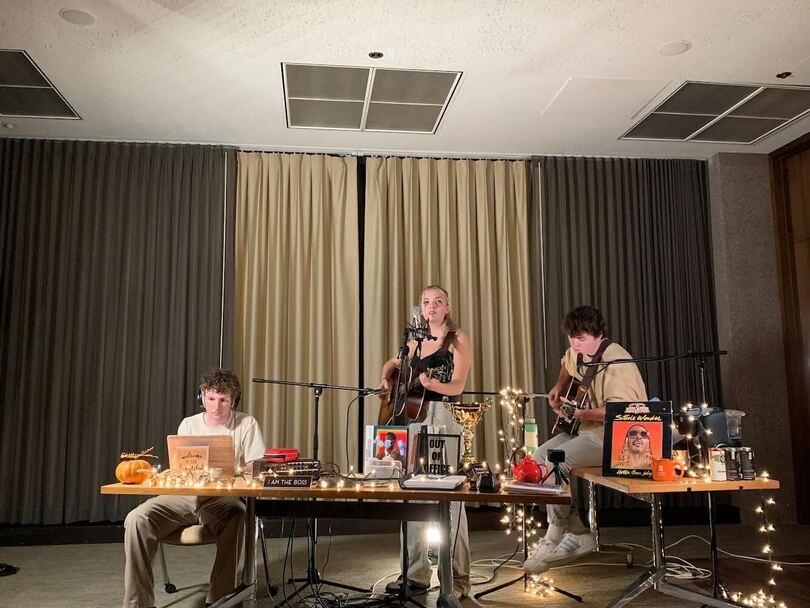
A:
[635, 434]
[438, 454]
[397, 451]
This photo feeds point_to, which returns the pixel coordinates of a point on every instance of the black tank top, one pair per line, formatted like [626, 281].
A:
[441, 362]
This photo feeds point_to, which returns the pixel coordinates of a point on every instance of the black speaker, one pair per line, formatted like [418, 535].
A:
[717, 423]
[489, 483]
[200, 403]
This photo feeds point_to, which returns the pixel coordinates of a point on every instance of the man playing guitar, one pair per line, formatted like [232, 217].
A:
[567, 537]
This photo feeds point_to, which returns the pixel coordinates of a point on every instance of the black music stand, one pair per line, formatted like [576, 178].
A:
[314, 577]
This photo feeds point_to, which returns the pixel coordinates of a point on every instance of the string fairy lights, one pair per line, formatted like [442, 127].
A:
[698, 468]
[516, 520]
[200, 478]
[511, 435]
[762, 598]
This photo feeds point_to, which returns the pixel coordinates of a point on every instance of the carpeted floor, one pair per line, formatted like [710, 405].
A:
[81, 576]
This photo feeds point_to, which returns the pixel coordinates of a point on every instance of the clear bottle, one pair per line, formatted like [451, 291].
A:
[530, 435]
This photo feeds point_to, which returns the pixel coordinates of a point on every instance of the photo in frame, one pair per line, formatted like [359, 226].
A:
[390, 443]
[635, 433]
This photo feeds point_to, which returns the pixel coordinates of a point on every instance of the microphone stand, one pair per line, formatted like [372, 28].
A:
[700, 358]
[313, 577]
[419, 331]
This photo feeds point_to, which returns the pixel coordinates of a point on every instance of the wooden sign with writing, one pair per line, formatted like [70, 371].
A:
[189, 457]
[220, 450]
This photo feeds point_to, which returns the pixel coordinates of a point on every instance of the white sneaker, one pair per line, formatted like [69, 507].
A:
[536, 562]
[571, 547]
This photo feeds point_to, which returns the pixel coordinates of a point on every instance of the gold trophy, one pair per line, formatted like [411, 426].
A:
[468, 415]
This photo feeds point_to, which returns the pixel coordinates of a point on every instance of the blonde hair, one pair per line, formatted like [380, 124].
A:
[448, 321]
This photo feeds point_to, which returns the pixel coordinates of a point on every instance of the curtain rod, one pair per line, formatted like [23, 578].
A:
[378, 154]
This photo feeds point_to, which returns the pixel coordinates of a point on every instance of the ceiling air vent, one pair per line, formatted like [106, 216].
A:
[26, 92]
[722, 113]
[366, 99]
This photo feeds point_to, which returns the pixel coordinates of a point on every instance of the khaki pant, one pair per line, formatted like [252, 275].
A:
[581, 451]
[158, 517]
[418, 563]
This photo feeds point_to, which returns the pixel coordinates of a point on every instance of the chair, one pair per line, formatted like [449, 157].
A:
[198, 534]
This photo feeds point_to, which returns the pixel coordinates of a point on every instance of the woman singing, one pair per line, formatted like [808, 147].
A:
[442, 365]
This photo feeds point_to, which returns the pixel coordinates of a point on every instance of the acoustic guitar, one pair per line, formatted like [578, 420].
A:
[576, 398]
[410, 403]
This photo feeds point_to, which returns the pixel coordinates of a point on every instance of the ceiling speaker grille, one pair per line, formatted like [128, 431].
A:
[722, 113]
[366, 99]
[26, 92]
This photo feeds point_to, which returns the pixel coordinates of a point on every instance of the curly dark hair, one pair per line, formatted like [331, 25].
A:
[221, 381]
[584, 320]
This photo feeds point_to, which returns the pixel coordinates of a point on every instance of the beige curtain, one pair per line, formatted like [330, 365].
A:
[296, 296]
[464, 225]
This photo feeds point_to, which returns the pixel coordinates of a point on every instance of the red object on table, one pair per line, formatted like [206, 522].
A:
[529, 470]
[281, 454]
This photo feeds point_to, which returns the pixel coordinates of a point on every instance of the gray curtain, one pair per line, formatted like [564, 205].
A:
[632, 237]
[111, 271]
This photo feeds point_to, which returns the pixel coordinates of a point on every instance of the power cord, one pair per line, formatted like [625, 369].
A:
[749, 558]
[498, 565]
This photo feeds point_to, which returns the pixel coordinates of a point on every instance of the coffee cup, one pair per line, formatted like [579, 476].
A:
[666, 469]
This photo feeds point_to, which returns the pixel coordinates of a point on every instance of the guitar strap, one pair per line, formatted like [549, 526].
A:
[448, 338]
[590, 373]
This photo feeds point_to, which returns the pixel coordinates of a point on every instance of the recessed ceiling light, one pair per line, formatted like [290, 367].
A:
[375, 55]
[77, 16]
[675, 48]
[9, 125]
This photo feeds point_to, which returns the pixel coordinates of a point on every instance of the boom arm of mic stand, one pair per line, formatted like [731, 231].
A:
[701, 355]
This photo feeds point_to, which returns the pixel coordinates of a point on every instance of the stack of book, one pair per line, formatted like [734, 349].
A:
[518, 487]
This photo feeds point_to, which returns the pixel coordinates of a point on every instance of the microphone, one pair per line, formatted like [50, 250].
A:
[416, 316]
[419, 327]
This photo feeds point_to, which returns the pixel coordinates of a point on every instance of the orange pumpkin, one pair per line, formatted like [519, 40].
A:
[133, 471]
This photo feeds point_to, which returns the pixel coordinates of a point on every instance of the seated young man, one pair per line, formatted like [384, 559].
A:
[568, 538]
[148, 524]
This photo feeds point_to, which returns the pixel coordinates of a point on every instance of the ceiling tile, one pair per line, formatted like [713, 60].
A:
[17, 68]
[26, 101]
[326, 82]
[597, 100]
[667, 126]
[776, 103]
[402, 117]
[325, 114]
[705, 98]
[738, 130]
[411, 86]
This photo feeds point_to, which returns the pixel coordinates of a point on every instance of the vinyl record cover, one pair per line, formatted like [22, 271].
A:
[391, 443]
[635, 433]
